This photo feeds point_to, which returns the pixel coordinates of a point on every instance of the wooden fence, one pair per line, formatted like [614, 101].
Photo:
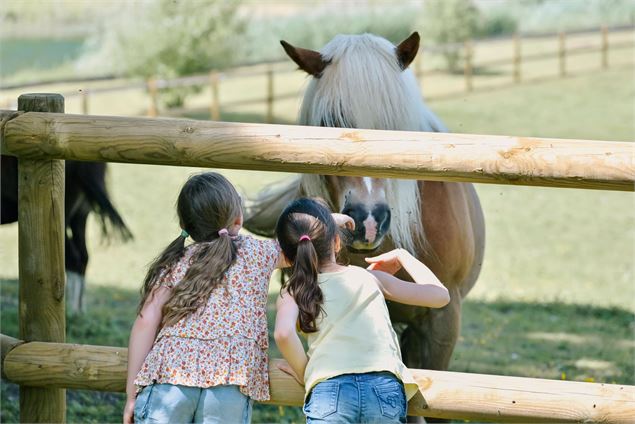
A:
[44, 365]
[466, 50]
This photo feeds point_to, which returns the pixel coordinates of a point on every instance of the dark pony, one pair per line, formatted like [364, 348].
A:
[86, 192]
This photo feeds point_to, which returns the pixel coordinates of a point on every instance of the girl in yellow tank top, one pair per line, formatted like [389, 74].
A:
[353, 371]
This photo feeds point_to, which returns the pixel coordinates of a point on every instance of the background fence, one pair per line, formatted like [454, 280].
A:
[483, 68]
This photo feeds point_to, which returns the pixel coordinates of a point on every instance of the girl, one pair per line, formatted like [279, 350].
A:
[207, 301]
[353, 370]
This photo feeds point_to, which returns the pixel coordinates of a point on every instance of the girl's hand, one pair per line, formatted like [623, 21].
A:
[388, 262]
[286, 368]
[128, 411]
[344, 221]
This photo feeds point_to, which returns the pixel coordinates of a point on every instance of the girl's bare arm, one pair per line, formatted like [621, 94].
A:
[142, 335]
[428, 290]
[287, 338]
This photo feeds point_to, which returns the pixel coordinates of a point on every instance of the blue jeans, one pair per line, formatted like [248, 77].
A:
[169, 403]
[376, 397]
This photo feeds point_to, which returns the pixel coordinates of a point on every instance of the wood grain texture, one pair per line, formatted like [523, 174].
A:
[41, 262]
[606, 165]
[442, 394]
[6, 116]
[7, 343]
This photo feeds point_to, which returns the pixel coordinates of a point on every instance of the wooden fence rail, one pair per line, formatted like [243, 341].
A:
[441, 394]
[607, 165]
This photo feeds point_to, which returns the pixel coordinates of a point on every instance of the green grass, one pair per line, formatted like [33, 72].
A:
[556, 298]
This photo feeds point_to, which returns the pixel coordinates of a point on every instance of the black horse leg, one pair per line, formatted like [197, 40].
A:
[9, 190]
[429, 343]
[77, 269]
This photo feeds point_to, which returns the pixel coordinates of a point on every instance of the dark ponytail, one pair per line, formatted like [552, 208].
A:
[306, 232]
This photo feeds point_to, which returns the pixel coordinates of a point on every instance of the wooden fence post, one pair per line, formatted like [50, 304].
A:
[154, 102]
[84, 101]
[605, 47]
[468, 65]
[270, 98]
[214, 109]
[562, 53]
[517, 61]
[41, 262]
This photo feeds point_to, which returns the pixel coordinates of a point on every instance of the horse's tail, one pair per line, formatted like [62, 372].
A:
[262, 212]
[93, 184]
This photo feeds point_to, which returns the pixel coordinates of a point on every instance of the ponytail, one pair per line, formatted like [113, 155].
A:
[160, 266]
[205, 273]
[303, 285]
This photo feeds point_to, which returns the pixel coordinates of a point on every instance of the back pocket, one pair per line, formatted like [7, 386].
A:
[391, 399]
[322, 400]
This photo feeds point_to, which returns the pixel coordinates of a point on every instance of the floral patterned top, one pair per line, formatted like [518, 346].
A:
[225, 342]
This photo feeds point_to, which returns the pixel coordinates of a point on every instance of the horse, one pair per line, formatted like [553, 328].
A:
[85, 192]
[363, 81]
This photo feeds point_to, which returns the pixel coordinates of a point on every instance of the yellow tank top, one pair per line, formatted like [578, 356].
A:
[354, 334]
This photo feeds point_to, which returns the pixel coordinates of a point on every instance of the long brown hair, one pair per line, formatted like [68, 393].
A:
[207, 203]
[306, 217]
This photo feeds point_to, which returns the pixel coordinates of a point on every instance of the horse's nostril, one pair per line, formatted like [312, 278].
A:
[382, 216]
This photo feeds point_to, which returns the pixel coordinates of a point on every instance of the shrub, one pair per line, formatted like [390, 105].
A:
[450, 21]
[169, 38]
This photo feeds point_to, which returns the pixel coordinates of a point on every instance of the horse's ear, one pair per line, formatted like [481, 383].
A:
[309, 61]
[407, 50]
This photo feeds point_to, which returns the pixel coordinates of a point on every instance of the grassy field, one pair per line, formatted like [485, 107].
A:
[556, 298]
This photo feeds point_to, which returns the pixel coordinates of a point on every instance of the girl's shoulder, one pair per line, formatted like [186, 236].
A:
[361, 275]
[251, 246]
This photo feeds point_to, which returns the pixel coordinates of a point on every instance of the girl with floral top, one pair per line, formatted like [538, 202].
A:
[198, 348]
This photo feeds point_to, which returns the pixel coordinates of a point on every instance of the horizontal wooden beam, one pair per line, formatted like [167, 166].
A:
[442, 394]
[606, 165]
[7, 343]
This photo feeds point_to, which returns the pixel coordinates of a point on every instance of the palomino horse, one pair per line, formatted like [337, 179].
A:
[363, 81]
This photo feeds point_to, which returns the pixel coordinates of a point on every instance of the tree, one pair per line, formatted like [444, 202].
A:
[170, 38]
[450, 21]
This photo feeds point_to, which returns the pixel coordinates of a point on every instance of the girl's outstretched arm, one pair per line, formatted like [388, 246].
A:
[142, 335]
[287, 338]
[428, 290]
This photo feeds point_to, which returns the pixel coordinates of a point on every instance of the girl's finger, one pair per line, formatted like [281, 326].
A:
[379, 258]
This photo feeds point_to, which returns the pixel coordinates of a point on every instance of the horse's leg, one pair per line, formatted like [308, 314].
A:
[429, 343]
[73, 277]
[78, 227]
[9, 191]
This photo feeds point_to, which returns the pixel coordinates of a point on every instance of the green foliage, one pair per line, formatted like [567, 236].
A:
[312, 31]
[537, 16]
[450, 21]
[169, 39]
[497, 23]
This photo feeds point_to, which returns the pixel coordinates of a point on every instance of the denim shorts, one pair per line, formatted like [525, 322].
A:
[376, 397]
[169, 403]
